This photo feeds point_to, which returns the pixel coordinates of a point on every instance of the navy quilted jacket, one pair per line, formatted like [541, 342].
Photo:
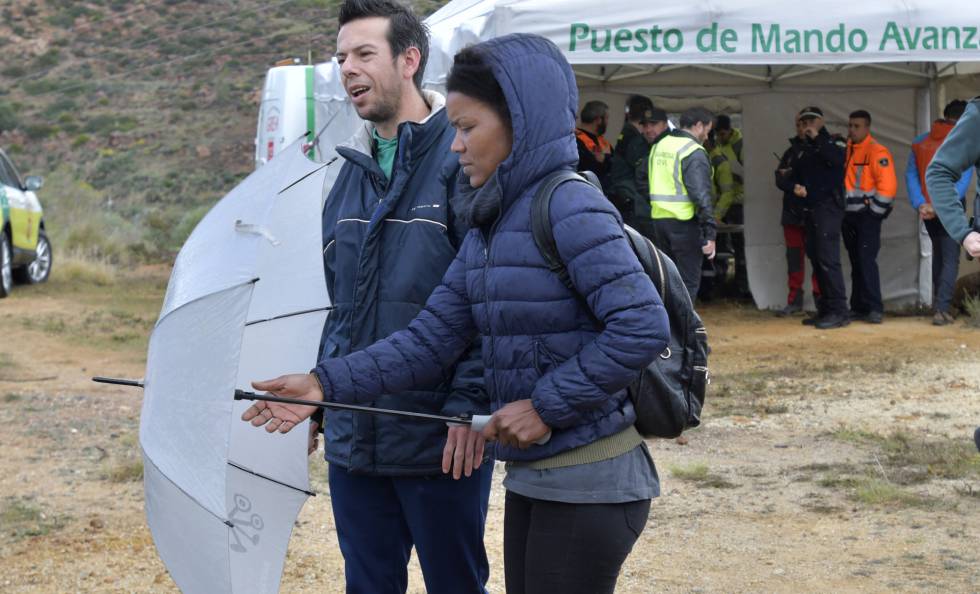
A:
[387, 244]
[538, 340]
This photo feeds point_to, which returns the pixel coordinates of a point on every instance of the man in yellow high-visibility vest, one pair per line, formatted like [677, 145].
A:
[677, 175]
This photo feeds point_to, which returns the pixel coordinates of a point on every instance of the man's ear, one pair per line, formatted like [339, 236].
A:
[411, 60]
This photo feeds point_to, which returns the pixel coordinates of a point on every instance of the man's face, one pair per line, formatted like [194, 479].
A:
[651, 130]
[372, 76]
[858, 129]
[723, 136]
[701, 131]
[811, 125]
[603, 125]
[800, 127]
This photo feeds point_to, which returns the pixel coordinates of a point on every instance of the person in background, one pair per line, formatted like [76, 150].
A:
[389, 234]
[644, 124]
[959, 151]
[677, 178]
[793, 220]
[870, 185]
[726, 162]
[818, 180]
[594, 151]
[945, 250]
[556, 362]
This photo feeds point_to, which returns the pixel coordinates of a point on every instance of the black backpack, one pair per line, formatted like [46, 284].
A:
[668, 395]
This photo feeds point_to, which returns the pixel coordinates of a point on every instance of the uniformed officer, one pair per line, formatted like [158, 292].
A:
[818, 180]
[643, 125]
[870, 183]
[677, 178]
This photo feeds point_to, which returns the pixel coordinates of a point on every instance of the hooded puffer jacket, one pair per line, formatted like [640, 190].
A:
[538, 340]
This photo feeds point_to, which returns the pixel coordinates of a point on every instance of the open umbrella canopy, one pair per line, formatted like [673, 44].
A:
[246, 300]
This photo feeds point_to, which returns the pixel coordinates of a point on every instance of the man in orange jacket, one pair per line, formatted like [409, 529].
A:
[870, 184]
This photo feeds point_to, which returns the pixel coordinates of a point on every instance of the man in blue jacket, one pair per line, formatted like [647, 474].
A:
[389, 235]
[960, 150]
[945, 250]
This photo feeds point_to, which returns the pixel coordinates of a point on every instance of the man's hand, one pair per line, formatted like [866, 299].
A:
[811, 131]
[283, 417]
[799, 191]
[708, 249]
[972, 244]
[516, 424]
[463, 452]
[926, 211]
[599, 156]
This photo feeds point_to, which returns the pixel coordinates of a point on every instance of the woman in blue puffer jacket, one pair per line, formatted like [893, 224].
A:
[575, 505]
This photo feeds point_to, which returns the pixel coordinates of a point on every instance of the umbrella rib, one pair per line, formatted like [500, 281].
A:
[289, 315]
[147, 457]
[269, 478]
[304, 177]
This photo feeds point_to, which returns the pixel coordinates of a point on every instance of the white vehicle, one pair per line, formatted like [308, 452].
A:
[301, 100]
[286, 112]
[25, 252]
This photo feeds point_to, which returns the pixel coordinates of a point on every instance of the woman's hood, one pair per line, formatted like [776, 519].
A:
[539, 86]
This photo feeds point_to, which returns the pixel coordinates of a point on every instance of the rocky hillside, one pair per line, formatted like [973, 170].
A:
[141, 114]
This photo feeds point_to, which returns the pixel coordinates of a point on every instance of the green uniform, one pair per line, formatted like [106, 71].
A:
[728, 187]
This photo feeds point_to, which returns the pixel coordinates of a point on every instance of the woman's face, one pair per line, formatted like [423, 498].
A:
[482, 139]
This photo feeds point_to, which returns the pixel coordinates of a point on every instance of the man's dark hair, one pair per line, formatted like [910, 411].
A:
[694, 115]
[636, 106]
[723, 122]
[405, 29]
[593, 111]
[860, 115]
[955, 109]
[471, 76]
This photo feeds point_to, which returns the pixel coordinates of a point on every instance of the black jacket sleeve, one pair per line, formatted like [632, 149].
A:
[697, 179]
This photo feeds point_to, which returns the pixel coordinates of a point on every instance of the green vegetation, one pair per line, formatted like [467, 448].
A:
[117, 104]
[699, 474]
[125, 472]
[22, 517]
[971, 303]
[898, 462]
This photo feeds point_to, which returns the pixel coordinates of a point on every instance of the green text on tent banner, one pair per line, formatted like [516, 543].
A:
[771, 39]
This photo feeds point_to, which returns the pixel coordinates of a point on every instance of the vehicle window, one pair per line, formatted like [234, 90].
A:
[8, 175]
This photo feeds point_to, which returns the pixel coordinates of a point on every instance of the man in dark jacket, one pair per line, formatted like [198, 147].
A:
[960, 150]
[793, 219]
[594, 151]
[677, 178]
[388, 236]
[643, 124]
[818, 180]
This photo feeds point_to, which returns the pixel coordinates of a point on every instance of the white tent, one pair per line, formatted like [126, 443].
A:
[899, 59]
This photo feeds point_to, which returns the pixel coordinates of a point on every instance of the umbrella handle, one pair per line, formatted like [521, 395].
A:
[478, 422]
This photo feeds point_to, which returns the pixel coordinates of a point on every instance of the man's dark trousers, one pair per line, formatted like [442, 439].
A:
[862, 238]
[945, 265]
[394, 513]
[681, 241]
[823, 230]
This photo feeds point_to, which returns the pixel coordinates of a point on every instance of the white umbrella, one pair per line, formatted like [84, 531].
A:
[246, 300]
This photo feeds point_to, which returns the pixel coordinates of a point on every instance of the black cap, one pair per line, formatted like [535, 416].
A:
[810, 113]
[653, 115]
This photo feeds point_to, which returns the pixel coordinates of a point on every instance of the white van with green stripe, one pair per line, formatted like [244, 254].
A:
[304, 101]
[287, 111]
[25, 252]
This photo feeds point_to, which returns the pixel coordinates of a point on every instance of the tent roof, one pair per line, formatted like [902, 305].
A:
[741, 43]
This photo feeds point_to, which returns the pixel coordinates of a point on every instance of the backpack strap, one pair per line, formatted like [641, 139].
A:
[651, 259]
[544, 236]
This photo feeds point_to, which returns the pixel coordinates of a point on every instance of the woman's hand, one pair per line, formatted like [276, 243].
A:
[463, 452]
[517, 424]
[283, 417]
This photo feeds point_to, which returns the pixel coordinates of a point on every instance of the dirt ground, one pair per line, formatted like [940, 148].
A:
[827, 461]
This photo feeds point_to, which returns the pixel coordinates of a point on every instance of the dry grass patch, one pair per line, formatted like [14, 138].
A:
[21, 518]
[699, 474]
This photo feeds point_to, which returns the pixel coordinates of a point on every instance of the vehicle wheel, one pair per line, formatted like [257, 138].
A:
[6, 274]
[38, 270]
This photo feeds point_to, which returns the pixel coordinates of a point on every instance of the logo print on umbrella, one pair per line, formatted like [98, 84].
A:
[243, 505]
